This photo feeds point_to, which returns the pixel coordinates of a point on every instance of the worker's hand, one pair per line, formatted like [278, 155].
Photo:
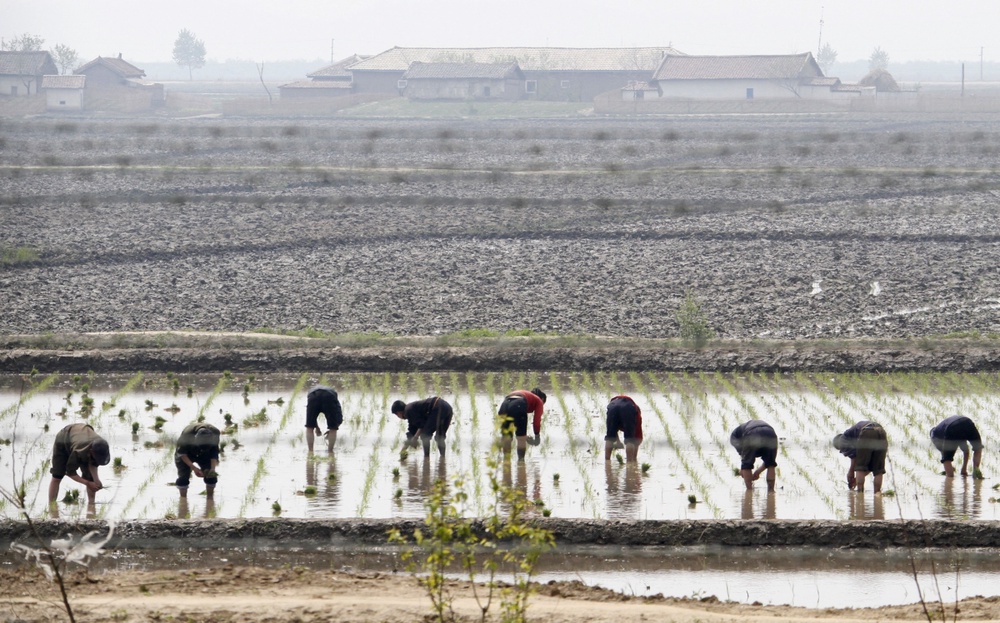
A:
[197, 472]
[851, 481]
[95, 485]
[617, 445]
[534, 441]
[413, 442]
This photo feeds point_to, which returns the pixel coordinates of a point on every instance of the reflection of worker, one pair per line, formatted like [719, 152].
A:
[866, 445]
[425, 418]
[958, 432]
[78, 447]
[197, 451]
[623, 415]
[513, 414]
[753, 439]
[323, 399]
[770, 506]
[858, 507]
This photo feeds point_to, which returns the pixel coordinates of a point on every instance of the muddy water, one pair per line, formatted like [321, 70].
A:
[806, 577]
[687, 420]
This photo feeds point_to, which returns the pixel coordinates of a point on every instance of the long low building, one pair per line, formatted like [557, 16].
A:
[553, 74]
[780, 76]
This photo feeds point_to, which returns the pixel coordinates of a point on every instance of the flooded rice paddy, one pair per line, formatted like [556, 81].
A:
[687, 418]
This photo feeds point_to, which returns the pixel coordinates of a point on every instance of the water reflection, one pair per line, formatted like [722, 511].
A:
[769, 510]
[961, 498]
[321, 473]
[624, 485]
[516, 477]
[184, 510]
[861, 507]
[420, 478]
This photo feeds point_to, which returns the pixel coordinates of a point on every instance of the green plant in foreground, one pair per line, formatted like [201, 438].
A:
[72, 496]
[504, 538]
[309, 490]
[276, 508]
[135, 428]
[646, 467]
[618, 457]
[692, 499]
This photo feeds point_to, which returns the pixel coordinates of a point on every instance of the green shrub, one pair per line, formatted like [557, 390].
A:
[694, 328]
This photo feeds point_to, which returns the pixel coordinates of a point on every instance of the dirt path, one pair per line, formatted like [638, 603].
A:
[264, 595]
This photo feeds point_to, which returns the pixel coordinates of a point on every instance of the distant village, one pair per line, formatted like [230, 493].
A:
[620, 79]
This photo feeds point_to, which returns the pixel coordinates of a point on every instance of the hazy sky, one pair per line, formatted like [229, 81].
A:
[145, 30]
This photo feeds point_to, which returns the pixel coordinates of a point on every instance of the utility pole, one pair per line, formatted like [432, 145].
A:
[819, 44]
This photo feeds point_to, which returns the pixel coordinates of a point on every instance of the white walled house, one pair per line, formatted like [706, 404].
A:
[64, 92]
[21, 72]
[767, 77]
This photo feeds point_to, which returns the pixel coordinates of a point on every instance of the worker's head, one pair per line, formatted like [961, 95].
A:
[540, 394]
[398, 408]
[100, 454]
[838, 441]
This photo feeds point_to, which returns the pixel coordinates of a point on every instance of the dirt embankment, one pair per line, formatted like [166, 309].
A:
[279, 533]
[861, 356]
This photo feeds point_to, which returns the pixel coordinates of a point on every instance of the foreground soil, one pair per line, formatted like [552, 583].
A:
[235, 594]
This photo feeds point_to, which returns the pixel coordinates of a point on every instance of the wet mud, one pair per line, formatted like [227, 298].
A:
[286, 533]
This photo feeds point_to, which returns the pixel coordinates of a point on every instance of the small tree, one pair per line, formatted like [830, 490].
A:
[827, 57]
[24, 43]
[189, 51]
[878, 60]
[694, 323]
[65, 57]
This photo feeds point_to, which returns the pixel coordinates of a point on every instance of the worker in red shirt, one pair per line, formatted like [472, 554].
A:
[623, 415]
[513, 414]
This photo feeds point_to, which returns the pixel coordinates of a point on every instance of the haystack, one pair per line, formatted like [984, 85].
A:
[881, 79]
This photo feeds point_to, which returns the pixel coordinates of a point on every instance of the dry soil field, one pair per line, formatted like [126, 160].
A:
[781, 226]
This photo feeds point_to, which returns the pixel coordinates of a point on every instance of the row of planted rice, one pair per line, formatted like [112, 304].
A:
[686, 468]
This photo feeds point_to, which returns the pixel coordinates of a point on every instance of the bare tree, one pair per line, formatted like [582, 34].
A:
[826, 58]
[878, 60]
[24, 43]
[65, 57]
[260, 73]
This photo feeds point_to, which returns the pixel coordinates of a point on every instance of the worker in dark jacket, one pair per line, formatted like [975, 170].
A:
[753, 439]
[866, 445]
[954, 433]
[197, 451]
[623, 415]
[323, 399]
[425, 418]
[513, 414]
[78, 448]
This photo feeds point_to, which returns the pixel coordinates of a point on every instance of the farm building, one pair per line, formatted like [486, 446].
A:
[113, 83]
[783, 76]
[554, 74]
[480, 81]
[330, 81]
[64, 92]
[21, 72]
